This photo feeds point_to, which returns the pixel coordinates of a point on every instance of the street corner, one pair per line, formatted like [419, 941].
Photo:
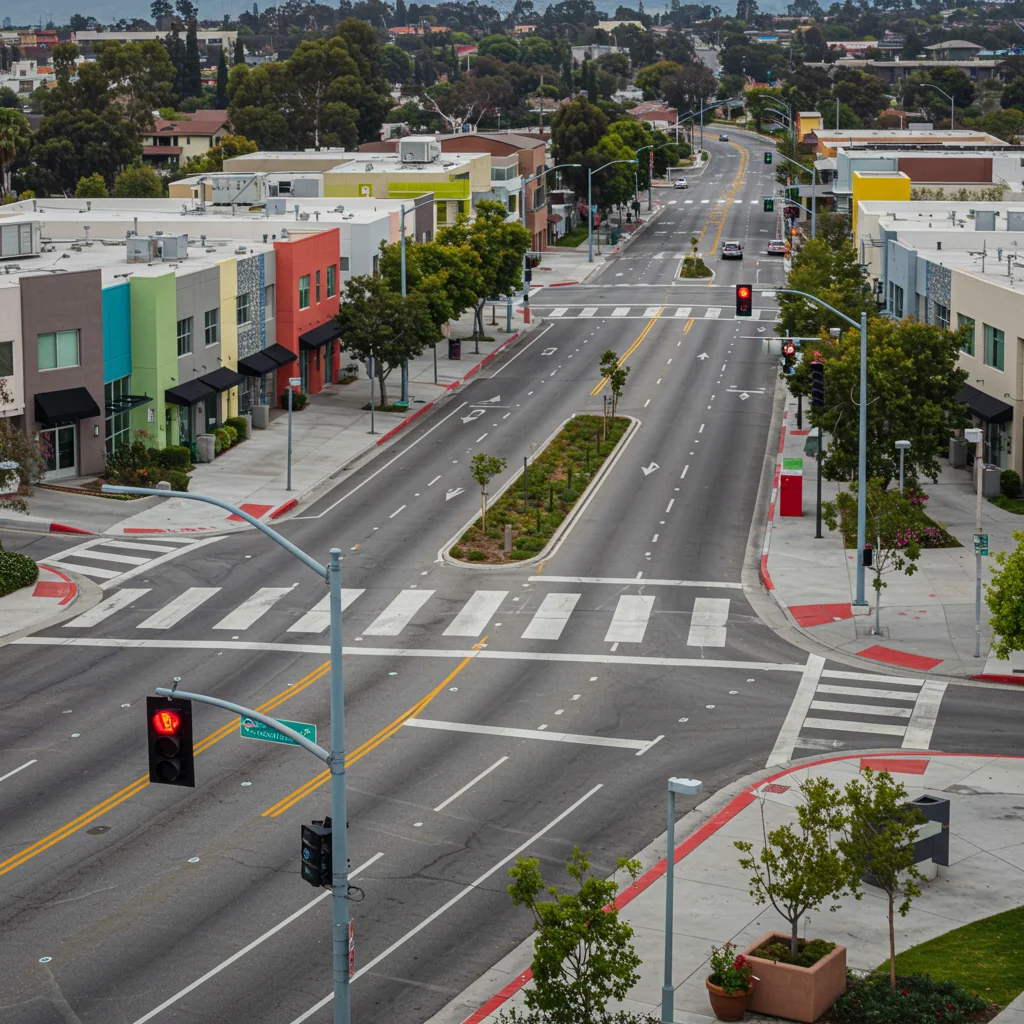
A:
[39, 604]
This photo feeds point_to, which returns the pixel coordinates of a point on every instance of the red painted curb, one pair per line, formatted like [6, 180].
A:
[72, 587]
[61, 528]
[708, 829]
[991, 677]
[394, 430]
[562, 284]
[766, 579]
[281, 509]
[486, 359]
[143, 529]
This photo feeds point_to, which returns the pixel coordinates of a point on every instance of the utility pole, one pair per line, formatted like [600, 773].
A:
[977, 435]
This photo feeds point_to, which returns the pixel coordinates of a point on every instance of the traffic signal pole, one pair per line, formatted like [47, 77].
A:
[335, 758]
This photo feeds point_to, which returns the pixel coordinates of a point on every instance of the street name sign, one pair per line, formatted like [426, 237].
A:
[254, 730]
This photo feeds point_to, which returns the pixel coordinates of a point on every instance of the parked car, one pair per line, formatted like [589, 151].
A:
[732, 251]
[777, 247]
[681, 183]
[723, 138]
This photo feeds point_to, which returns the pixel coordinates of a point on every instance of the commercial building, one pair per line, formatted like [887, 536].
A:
[892, 71]
[826, 141]
[171, 143]
[208, 39]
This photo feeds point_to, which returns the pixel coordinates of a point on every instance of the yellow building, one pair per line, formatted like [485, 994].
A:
[807, 121]
[884, 185]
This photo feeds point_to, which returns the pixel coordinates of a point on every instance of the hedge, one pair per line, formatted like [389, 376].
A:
[16, 571]
[238, 422]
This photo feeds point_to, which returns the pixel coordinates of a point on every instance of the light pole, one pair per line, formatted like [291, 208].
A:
[862, 433]
[371, 368]
[650, 175]
[590, 202]
[902, 446]
[401, 230]
[684, 787]
[813, 171]
[977, 435]
[952, 101]
[335, 758]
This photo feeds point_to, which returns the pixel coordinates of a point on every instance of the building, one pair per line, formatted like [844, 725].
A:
[959, 265]
[25, 76]
[892, 71]
[807, 121]
[657, 115]
[827, 141]
[171, 143]
[954, 49]
[593, 51]
[211, 41]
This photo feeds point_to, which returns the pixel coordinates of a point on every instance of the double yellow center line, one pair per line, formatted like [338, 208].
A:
[600, 386]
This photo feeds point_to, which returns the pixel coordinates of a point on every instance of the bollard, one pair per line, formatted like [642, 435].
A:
[508, 538]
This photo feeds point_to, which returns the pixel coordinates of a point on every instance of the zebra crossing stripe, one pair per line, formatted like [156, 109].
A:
[118, 600]
[683, 311]
[318, 618]
[174, 611]
[559, 311]
[588, 311]
[629, 623]
[620, 311]
[399, 613]
[707, 623]
[551, 617]
[254, 608]
[476, 613]
[713, 313]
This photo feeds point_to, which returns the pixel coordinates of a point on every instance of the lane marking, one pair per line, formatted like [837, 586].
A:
[629, 351]
[623, 581]
[177, 609]
[398, 613]
[922, 719]
[19, 768]
[113, 604]
[795, 717]
[397, 510]
[469, 785]
[528, 734]
[708, 622]
[509, 362]
[476, 613]
[252, 609]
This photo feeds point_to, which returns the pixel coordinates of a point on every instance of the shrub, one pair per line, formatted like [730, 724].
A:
[1009, 483]
[223, 436]
[174, 456]
[476, 556]
[810, 952]
[570, 495]
[232, 434]
[529, 544]
[456, 552]
[218, 444]
[299, 399]
[238, 423]
[16, 571]
[176, 478]
[915, 1000]
[520, 555]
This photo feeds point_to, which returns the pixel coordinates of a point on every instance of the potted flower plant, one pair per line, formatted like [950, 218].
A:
[730, 982]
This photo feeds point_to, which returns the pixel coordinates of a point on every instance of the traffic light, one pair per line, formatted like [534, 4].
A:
[817, 384]
[793, 192]
[317, 863]
[788, 357]
[169, 731]
[744, 300]
[767, 157]
[769, 204]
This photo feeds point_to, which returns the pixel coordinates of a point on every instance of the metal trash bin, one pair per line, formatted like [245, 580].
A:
[932, 846]
[454, 348]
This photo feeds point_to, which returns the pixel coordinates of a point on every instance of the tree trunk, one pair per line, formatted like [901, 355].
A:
[794, 939]
[892, 946]
[478, 320]
[483, 510]
[382, 387]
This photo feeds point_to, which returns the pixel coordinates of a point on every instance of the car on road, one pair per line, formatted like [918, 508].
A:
[681, 183]
[732, 251]
[723, 137]
[777, 247]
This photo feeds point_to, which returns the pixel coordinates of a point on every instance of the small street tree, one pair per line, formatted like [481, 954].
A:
[91, 187]
[582, 955]
[1005, 599]
[19, 448]
[615, 374]
[798, 869]
[878, 842]
[483, 467]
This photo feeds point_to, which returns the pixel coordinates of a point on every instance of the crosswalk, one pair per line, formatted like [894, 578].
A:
[613, 312]
[486, 611]
[109, 560]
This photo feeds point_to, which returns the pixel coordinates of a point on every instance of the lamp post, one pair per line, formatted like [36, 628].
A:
[952, 101]
[814, 184]
[590, 203]
[331, 574]
[977, 435]
[684, 787]
[862, 432]
[902, 446]
[650, 177]
[401, 230]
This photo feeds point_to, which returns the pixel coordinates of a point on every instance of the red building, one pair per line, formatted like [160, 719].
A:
[307, 291]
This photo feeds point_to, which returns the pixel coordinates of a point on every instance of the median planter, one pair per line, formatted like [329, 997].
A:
[793, 992]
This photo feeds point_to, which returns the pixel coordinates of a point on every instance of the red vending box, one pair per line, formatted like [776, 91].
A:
[791, 488]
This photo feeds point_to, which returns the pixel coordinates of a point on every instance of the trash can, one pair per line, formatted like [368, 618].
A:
[932, 846]
[454, 348]
[614, 237]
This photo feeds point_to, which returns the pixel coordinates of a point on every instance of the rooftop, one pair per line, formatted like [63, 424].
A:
[341, 161]
[202, 122]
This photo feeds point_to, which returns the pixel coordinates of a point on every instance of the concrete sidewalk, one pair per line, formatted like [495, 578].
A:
[927, 619]
[713, 904]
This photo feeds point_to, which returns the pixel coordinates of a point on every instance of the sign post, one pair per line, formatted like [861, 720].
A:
[293, 382]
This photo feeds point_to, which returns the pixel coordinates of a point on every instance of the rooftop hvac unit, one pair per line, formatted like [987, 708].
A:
[1015, 220]
[156, 248]
[141, 250]
[984, 220]
[276, 206]
[175, 247]
[418, 149]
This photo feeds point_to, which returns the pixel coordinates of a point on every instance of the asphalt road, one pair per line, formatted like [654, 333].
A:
[558, 709]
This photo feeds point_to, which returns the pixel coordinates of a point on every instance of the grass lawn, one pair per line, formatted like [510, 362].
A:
[983, 957]
[577, 236]
[1015, 505]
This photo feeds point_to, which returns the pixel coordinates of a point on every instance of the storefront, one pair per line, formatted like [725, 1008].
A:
[995, 418]
[317, 353]
[260, 369]
[59, 414]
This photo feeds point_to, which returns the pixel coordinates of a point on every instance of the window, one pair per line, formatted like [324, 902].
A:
[512, 203]
[211, 324]
[268, 302]
[185, 336]
[6, 358]
[942, 316]
[897, 301]
[304, 292]
[344, 264]
[966, 325]
[242, 309]
[376, 266]
[58, 350]
[318, 287]
[332, 281]
[119, 423]
[994, 347]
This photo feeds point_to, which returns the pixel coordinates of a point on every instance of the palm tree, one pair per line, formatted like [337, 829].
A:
[15, 138]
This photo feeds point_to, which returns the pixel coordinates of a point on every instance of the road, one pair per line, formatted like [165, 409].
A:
[489, 711]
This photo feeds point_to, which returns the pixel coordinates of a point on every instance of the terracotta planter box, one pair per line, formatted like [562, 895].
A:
[796, 993]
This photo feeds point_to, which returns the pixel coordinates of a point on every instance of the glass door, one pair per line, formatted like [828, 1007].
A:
[58, 445]
[304, 369]
[185, 432]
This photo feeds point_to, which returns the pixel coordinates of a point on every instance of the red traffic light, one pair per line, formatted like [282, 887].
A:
[789, 349]
[744, 299]
[742, 292]
[167, 723]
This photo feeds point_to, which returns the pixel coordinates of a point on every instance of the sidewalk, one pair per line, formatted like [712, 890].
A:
[713, 904]
[927, 619]
[31, 608]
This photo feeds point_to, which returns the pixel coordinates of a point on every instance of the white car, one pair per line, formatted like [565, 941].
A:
[681, 183]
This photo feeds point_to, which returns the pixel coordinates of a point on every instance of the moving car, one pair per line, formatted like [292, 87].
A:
[681, 183]
[732, 251]
[723, 138]
[777, 247]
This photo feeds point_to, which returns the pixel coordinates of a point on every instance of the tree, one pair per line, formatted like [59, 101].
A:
[9, 98]
[379, 324]
[139, 75]
[615, 373]
[583, 955]
[238, 57]
[192, 79]
[798, 869]
[576, 129]
[689, 87]
[160, 9]
[18, 447]
[138, 182]
[500, 246]
[878, 841]
[221, 100]
[499, 47]
[396, 64]
[1005, 599]
[891, 521]
[864, 94]
[15, 139]
[213, 159]
[92, 187]
[650, 79]
[482, 468]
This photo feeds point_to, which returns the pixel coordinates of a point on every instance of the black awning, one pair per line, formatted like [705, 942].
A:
[125, 403]
[256, 365]
[322, 335]
[189, 393]
[221, 379]
[281, 355]
[985, 407]
[65, 406]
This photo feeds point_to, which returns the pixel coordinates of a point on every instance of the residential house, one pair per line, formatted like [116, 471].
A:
[172, 143]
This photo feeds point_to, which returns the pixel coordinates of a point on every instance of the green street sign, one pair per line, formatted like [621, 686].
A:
[981, 543]
[253, 730]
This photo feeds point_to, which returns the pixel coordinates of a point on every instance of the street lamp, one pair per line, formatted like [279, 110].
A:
[862, 432]
[902, 446]
[976, 436]
[650, 176]
[335, 758]
[401, 230]
[952, 101]
[590, 203]
[684, 787]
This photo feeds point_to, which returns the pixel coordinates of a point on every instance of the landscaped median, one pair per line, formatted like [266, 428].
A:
[538, 508]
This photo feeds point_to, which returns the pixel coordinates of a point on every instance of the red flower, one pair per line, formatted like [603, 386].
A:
[739, 962]
[904, 992]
